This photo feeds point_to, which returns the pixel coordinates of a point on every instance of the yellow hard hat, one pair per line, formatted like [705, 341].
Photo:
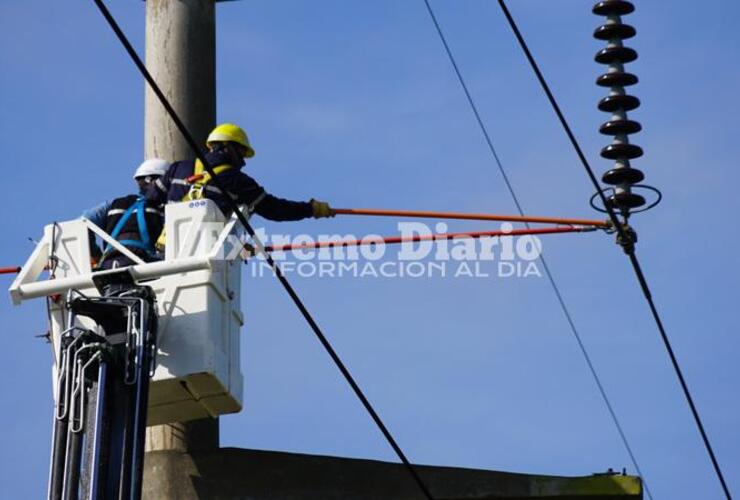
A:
[228, 132]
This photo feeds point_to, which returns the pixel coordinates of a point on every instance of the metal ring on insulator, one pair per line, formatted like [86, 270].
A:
[658, 198]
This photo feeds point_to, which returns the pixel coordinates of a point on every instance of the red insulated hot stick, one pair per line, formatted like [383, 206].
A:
[439, 236]
[467, 216]
[10, 270]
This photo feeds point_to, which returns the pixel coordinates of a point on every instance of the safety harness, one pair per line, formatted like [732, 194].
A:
[199, 182]
[139, 206]
[200, 179]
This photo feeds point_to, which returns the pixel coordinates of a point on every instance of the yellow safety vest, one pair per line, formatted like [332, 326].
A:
[196, 190]
[203, 178]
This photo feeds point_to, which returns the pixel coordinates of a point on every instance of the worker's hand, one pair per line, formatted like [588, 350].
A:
[321, 209]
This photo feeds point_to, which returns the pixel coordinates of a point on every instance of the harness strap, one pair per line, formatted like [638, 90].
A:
[205, 177]
[143, 229]
[119, 226]
[145, 244]
[201, 181]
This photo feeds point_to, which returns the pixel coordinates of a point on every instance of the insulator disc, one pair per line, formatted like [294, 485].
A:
[614, 31]
[619, 79]
[624, 175]
[617, 151]
[617, 127]
[614, 102]
[613, 7]
[626, 200]
[611, 55]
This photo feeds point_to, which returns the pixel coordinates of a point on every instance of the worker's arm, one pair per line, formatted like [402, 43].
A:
[270, 207]
[97, 214]
[278, 209]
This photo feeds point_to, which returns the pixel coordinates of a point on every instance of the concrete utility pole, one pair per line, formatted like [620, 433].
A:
[181, 56]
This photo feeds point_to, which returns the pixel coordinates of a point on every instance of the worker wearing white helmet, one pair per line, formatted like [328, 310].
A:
[132, 220]
[150, 170]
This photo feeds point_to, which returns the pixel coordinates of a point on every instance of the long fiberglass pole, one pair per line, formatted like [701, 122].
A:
[468, 216]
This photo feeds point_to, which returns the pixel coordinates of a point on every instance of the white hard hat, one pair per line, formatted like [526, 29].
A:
[152, 166]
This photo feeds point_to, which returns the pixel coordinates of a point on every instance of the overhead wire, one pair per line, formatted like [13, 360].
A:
[630, 250]
[546, 267]
[278, 273]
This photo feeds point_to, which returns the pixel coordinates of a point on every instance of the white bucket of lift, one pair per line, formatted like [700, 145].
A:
[198, 370]
[198, 287]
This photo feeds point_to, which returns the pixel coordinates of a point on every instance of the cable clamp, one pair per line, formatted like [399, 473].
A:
[609, 227]
[627, 239]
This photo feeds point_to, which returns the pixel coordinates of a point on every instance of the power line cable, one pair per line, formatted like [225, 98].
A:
[628, 249]
[243, 220]
[551, 278]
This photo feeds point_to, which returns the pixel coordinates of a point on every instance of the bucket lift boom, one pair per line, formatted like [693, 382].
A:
[147, 344]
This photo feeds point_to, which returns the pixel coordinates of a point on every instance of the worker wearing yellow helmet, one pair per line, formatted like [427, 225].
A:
[228, 147]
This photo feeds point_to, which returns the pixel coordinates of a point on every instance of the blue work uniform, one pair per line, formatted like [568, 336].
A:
[98, 213]
[174, 186]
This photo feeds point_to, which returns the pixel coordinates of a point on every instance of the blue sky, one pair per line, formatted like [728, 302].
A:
[356, 103]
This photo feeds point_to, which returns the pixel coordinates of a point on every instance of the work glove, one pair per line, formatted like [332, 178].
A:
[321, 209]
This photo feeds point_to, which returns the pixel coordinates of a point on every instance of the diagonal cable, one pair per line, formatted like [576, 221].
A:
[629, 250]
[243, 220]
[550, 277]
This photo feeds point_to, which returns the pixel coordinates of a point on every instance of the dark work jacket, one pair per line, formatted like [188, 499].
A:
[153, 217]
[173, 186]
